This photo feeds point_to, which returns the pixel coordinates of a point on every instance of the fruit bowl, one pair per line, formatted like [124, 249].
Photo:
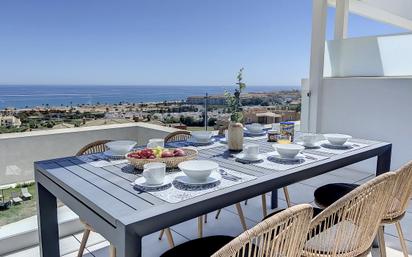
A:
[139, 158]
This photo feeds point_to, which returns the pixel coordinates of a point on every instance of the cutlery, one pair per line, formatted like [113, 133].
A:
[228, 176]
[310, 157]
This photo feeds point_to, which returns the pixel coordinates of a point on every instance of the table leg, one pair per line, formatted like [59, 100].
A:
[274, 199]
[383, 165]
[131, 246]
[47, 222]
[384, 161]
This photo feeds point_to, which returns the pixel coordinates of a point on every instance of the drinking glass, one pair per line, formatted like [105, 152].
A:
[284, 139]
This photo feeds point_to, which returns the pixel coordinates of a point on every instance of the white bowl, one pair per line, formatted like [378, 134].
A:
[254, 127]
[121, 147]
[202, 136]
[198, 170]
[309, 139]
[337, 139]
[288, 150]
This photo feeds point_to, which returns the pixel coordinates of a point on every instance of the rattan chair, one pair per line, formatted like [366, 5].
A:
[264, 205]
[180, 135]
[396, 211]
[94, 147]
[402, 194]
[348, 227]
[283, 234]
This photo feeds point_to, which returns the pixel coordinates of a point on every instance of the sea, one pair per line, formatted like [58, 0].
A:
[20, 96]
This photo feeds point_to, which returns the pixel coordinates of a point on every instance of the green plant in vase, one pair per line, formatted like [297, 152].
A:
[234, 104]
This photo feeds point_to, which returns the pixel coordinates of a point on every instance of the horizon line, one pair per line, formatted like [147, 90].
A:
[135, 85]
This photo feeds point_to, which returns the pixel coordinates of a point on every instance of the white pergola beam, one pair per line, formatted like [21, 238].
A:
[317, 53]
[341, 19]
[374, 13]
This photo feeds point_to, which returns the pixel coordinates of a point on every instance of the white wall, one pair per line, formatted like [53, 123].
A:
[388, 55]
[371, 108]
[18, 151]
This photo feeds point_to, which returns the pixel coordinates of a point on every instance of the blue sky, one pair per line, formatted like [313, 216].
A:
[158, 42]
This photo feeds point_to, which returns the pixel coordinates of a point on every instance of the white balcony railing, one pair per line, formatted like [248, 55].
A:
[18, 151]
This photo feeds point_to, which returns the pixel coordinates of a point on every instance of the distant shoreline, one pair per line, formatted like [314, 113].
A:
[92, 85]
[31, 96]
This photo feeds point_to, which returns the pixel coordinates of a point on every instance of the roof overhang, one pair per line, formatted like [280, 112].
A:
[394, 12]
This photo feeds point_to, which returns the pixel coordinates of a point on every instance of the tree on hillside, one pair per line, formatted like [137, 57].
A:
[211, 122]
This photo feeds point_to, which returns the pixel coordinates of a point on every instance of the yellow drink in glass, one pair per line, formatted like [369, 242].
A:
[284, 139]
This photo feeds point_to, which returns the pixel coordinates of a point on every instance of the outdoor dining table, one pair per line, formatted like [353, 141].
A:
[105, 198]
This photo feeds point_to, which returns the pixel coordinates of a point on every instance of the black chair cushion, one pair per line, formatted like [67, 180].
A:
[328, 194]
[201, 247]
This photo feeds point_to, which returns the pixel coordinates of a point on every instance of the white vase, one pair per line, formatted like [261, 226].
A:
[235, 136]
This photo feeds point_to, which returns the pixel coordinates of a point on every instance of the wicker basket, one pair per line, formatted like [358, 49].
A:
[171, 162]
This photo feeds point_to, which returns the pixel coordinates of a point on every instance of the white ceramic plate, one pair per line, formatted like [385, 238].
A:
[345, 146]
[213, 178]
[111, 154]
[316, 145]
[194, 141]
[249, 158]
[141, 182]
[297, 157]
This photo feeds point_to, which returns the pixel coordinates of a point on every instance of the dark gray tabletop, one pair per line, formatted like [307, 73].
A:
[106, 194]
